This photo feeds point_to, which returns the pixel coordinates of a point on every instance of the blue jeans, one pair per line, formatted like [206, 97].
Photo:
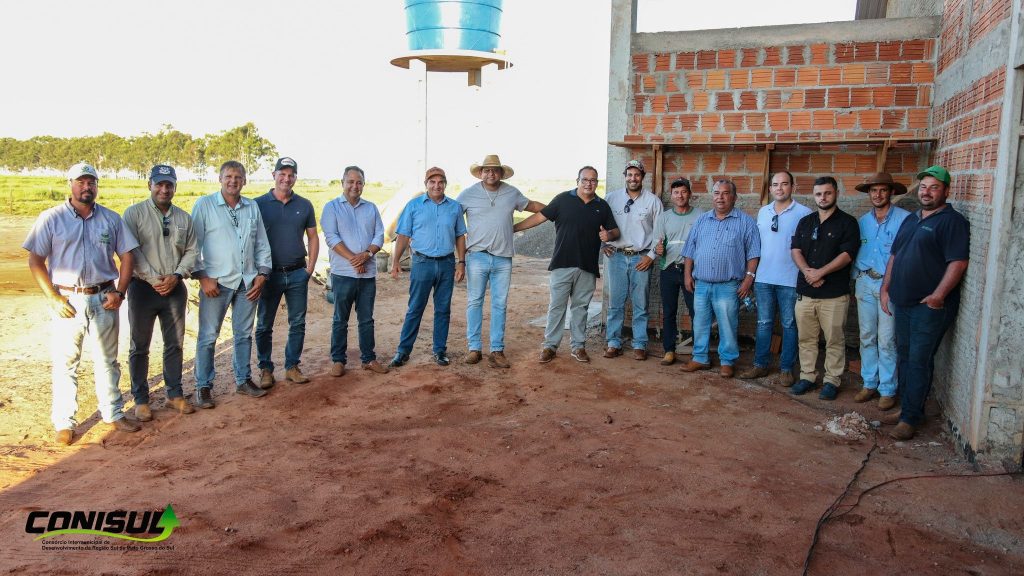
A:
[348, 291]
[671, 285]
[624, 281]
[716, 300]
[877, 338]
[145, 305]
[67, 335]
[211, 317]
[769, 298]
[294, 286]
[426, 275]
[919, 331]
[483, 268]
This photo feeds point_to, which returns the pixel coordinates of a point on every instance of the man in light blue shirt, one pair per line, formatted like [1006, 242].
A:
[878, 229]
[354, 233]
[233, 265]
[775, 287]
[722, 253]
[71, 255]
[433, 224]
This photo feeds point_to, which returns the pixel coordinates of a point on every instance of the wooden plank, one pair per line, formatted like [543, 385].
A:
[659, 155]
[765, 197]
[881, 155]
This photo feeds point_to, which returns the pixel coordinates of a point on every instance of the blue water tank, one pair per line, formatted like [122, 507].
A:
[453, 24]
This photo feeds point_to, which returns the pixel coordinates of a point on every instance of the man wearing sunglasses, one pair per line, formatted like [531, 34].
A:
[166, 254]
[630, 257]
[825, 245]
[775, 287]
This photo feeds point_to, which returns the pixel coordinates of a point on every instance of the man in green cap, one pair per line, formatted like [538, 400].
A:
[921, 289]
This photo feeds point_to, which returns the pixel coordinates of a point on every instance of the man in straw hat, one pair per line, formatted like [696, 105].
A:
[432, 224]
[71, 255]
[488, 206]
[878, 228]
[921, 289]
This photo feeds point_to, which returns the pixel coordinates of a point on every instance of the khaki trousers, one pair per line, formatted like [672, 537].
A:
[816, 315]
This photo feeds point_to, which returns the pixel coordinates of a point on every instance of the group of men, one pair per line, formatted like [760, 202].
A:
[791, 261]
[248, 254]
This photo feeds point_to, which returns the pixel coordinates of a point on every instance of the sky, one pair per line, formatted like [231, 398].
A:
[315, 77]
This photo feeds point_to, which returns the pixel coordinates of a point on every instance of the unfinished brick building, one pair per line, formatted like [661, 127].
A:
[911, 84]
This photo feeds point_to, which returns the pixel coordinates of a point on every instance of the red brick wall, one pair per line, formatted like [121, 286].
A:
[845, 90]
[967, 123]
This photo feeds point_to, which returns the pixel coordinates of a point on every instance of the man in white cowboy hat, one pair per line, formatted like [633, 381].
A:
[878, 228]
[71, 255]
[488, 206]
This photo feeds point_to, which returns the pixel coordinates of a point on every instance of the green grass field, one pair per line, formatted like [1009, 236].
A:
[30, 195]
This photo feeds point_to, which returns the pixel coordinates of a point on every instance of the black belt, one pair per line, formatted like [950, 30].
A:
[870, 273]
[88, 290]
[445, 257]
[630, 251]
[291, 268]
[678, 265]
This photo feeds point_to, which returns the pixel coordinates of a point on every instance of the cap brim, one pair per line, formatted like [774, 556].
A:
[165, 178]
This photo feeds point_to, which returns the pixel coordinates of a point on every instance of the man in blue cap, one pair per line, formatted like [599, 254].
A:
[921, 289]
[71, 256]
[165, 255]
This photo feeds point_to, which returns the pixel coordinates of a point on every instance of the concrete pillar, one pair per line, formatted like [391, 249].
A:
[997, 411]
[620, 91]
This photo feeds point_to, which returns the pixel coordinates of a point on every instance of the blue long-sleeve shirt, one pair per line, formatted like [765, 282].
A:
[357, 227]
[232, 242]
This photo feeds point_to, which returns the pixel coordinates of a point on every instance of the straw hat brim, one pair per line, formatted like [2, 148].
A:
[477, 169]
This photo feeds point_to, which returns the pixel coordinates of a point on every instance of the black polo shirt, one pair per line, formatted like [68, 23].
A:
[286, 226]
[821, 242]
[577, 226]
[923, 249]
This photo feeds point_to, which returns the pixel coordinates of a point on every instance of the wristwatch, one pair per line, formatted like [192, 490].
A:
[752, 275]
[119, 293]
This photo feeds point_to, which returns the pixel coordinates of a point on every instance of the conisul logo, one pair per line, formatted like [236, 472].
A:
[116, 524]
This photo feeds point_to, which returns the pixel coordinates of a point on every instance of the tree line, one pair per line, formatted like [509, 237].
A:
[111, 153]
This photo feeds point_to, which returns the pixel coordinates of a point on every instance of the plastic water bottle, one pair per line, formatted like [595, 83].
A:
[748, 303]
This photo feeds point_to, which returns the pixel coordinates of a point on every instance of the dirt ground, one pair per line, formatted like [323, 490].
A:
[614, 467]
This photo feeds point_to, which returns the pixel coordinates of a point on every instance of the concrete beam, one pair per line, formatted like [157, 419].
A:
[767, 36]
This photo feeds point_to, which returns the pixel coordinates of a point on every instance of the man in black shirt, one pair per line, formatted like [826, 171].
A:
[582, 222]
[824, 247]
[922, 289]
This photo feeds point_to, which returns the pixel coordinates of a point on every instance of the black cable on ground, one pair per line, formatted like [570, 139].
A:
[830, 514]
[826, 516]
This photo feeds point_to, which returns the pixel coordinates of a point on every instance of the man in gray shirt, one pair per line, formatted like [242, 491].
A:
[671, 229]
[166, 254]
[488, 206]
